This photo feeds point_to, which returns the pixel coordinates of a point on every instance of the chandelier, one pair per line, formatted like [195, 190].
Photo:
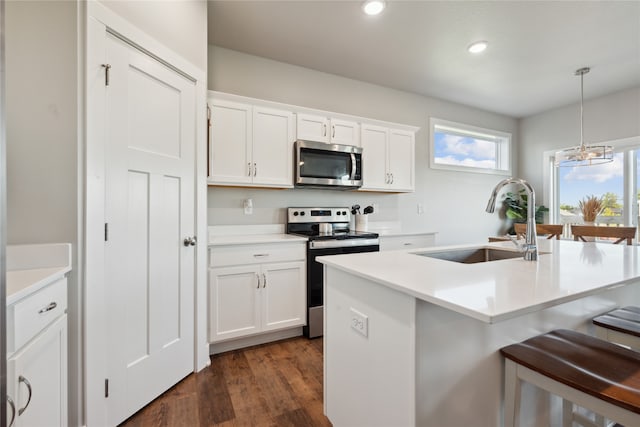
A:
[583, 155]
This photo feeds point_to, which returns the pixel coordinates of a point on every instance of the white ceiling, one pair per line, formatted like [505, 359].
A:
[420, 46]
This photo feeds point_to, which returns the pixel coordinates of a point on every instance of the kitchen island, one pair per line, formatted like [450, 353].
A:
[413, 340]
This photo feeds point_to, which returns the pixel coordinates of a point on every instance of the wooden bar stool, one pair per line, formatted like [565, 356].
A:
[621, 326]
[551, 230]
[594, 374]
[622, 234]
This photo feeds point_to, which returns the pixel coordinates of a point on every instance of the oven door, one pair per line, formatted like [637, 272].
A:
[328, 165]
[315, 285]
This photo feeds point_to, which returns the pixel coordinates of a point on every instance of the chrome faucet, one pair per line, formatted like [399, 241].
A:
[530, 247]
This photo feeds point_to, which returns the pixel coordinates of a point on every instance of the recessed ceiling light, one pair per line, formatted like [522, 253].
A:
[373, 7]
[477, 47]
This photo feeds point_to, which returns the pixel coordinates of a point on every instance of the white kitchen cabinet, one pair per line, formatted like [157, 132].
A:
[409, 241]
[37, 357]
[320, 128]
[256, 289]
[250, 145]
[388, 159]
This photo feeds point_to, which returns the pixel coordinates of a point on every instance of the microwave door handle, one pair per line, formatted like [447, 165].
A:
[353, 166]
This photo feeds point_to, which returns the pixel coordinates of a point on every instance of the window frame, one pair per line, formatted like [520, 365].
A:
[629, 147]
[502, 139]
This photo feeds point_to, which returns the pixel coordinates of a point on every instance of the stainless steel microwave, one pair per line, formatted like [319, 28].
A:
[323, 165]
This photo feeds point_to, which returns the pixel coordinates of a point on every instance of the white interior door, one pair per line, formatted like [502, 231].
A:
[149, 197]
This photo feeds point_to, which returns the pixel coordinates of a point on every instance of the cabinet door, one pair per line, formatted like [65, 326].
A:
[374, 157]
[313, 128]
[39, 374]
[233, 302]
[401, 160]
[283, 295]
[272, 147]
[345, 132]
[231, 140]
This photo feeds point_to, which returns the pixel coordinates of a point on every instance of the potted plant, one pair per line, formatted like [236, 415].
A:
[515, 204]
[591, 207]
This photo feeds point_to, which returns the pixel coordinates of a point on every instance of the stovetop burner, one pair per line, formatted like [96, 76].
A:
[306, 222]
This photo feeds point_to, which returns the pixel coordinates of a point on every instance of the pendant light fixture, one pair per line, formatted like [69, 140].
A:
[583, 155]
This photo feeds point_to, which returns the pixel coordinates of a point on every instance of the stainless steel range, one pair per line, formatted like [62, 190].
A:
[329, 234]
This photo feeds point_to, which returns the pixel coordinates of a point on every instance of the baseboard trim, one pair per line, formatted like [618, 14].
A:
[221, 347]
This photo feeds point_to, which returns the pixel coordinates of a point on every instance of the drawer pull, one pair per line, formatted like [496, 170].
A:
[260, 255]
[408, 244]
[13, 411]
[26, 382]
[50, 307]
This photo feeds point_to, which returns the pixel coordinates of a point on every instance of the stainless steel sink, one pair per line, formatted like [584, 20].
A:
[472, 255]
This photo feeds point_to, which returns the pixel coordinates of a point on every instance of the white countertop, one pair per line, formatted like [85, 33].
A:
[224, 235]
[31, 267]
[250, 239]
[499, 290]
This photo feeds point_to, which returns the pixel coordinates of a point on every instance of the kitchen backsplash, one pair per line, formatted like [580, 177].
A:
[226, 205]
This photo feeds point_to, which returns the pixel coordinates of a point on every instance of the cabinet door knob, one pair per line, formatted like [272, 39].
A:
[13, 411]
[26, 382]
[190, 241]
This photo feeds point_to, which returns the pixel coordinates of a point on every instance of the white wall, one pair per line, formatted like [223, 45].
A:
[42, 143]
[181, 25]
[454, 201]
[610, 117]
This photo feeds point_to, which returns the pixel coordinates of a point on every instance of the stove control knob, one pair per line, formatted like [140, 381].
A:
[301, 213]
[295, 213]
[338, 213]
[344, 212]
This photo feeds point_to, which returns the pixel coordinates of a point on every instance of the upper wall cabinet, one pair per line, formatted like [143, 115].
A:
[319, 128]
[388, 159]
[250, 145]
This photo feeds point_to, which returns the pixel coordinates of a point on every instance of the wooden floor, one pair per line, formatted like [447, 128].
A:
[276, 384]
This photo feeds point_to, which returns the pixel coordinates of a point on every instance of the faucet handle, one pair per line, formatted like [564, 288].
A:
[514, 239]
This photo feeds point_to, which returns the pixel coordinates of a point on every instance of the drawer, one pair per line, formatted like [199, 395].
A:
[389, 243]
[221, 256]
[32, 314]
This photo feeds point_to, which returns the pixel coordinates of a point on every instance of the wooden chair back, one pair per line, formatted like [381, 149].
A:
[552, 230]
[621, 233]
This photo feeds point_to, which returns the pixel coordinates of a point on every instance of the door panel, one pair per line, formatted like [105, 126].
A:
[374, 157]
[401, 159]
[233, 294]
[273, 147]
[150, 176]
[283, 295]
[231, 136]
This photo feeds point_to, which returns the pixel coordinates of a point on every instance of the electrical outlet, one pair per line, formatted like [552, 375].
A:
[420, 208]
[248, 207]
[359, 322]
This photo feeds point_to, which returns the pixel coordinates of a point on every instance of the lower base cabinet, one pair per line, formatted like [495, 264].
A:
[37, 358]
[37, 378]
[250, 299]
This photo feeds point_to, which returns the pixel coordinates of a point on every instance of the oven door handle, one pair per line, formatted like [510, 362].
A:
[346, 243]
[353, 166]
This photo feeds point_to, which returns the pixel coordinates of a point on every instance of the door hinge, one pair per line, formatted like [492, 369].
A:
[106, 231]
[106, 67]
[106, 387]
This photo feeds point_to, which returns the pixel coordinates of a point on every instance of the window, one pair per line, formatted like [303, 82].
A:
[616, 183]
[461, 147]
